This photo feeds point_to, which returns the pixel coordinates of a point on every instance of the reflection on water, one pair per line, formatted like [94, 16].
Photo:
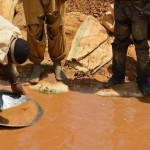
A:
[82, 121]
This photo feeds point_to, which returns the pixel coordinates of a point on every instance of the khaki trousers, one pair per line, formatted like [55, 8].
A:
[39, 13]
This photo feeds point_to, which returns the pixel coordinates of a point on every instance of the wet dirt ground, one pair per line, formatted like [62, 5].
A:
[78, 120]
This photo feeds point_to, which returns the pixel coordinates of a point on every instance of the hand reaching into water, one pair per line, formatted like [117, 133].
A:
[17, 88]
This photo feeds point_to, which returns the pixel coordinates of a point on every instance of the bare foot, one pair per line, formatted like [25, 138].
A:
[59, 74]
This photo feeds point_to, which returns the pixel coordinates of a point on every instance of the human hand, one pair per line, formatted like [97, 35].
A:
[17, 88]
[146, 9]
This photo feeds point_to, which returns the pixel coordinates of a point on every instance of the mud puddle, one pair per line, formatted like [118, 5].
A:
[78, 120]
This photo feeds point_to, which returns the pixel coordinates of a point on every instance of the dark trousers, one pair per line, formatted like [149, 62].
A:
[129, 21]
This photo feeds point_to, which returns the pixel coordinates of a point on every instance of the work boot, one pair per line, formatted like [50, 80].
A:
[144, 87]
[113, 81]
[59, 74]
[143, 70]
[37, 71]
[118, 66]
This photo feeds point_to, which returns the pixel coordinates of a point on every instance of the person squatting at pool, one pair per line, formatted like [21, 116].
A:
[131, 17]
[13, 50]
[38, 13]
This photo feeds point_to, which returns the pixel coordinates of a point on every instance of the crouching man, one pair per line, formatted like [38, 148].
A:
[131, 17]
[13, 50]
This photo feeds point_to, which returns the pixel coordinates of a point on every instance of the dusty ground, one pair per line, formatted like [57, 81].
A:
[97, 8]
[76, 12]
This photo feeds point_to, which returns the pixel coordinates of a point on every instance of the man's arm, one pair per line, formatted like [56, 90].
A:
[13, 79]
[144, 10]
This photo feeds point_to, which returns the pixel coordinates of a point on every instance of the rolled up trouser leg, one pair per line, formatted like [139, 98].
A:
[36, 39]
[119, 58]
[142, 52]
[56, 41]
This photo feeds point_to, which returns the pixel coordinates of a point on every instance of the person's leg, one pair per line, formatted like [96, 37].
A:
[120, 45]
[38, 46]
[119, 48]
[118, 63]
[35, 35]
[139, 28]
[56, 36]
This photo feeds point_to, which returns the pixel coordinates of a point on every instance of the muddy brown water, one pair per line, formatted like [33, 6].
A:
[78, 120]
[25, 115]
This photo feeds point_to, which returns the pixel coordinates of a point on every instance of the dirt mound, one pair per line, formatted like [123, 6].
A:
[96, 8]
